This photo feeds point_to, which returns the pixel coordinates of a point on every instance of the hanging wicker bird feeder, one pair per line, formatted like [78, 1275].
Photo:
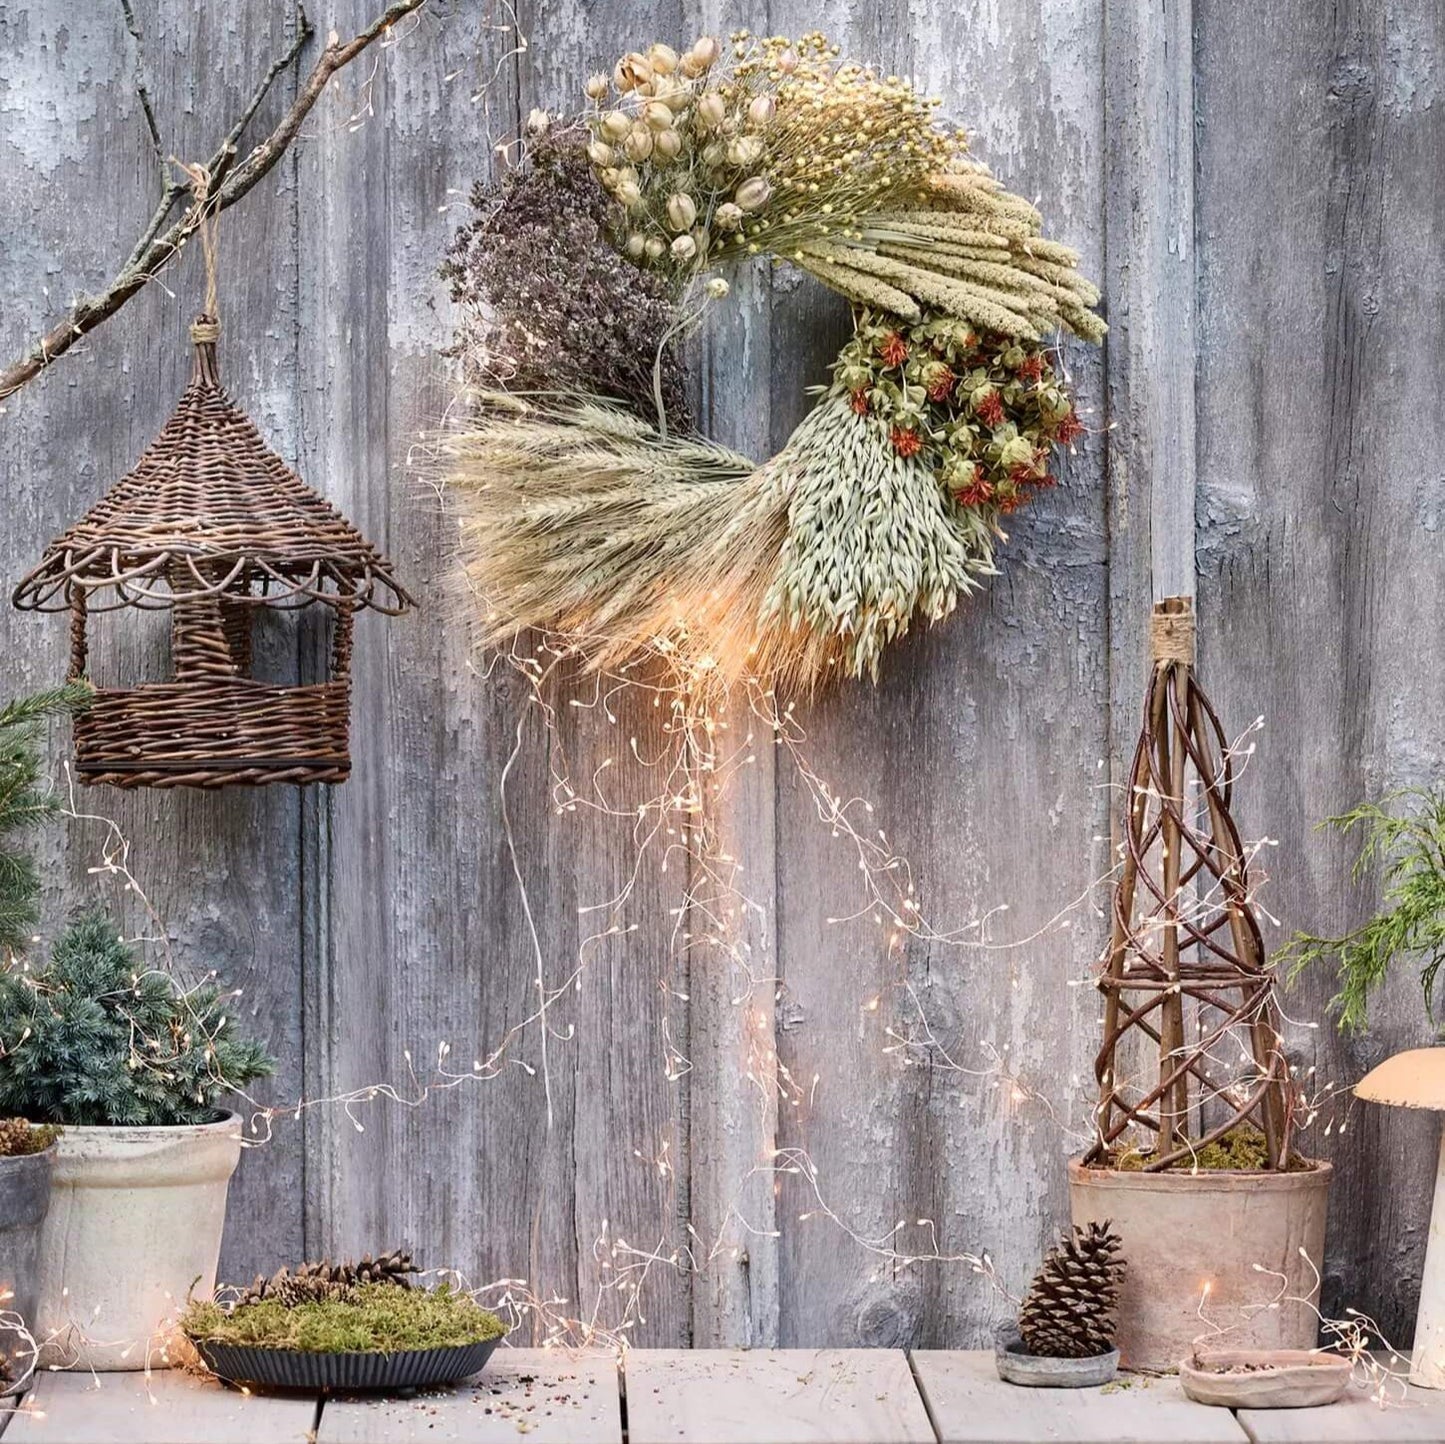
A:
[213, 525]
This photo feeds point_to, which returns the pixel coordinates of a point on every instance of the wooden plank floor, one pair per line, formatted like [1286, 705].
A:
[795, 1396]
[970, 1404]
[781, 1396]
[546, 1398]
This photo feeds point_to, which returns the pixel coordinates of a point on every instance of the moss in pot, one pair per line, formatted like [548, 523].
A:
[1064, 1337]
[343, 1326]
[135, 1068]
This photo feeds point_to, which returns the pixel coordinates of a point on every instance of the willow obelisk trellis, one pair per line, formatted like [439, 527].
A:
[1186, 980]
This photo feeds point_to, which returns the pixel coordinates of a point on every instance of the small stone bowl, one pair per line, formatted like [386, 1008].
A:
[1016, 1366]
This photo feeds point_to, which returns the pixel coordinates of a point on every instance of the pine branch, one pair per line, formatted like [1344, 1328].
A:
[159, 243]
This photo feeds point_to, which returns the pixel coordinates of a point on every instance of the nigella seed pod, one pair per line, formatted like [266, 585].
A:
[599, 153]
[636, 246]
[662, 58]
[753, 194]
[714, 153]
[745, 151]
[610, 176]
[711, 109]
[705, 51]
[615, 125]
[667, 145]
[638, 145]
[727, 217]
[681, 212]
[632, 71]
[658, 115]
[684, 248]
[629, 193]
[654, 248]
[787, 61]
[596, 87]
[762, 110]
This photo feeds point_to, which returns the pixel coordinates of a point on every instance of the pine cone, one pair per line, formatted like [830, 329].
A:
[327, 1280]
[1068, 1312]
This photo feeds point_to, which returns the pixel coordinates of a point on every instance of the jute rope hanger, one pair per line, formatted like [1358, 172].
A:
[207, 326]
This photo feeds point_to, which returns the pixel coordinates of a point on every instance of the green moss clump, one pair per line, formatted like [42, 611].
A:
[372, 1319]
[1241, 1150]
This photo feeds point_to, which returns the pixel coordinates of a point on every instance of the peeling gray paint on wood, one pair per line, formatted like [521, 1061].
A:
[1261, 189]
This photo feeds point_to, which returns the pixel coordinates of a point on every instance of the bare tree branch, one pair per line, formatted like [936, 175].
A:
[159, 243]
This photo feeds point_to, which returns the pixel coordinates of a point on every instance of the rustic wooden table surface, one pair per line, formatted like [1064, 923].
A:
[663, 1396]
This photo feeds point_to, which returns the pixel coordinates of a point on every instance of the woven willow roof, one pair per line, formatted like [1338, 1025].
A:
[211, 508]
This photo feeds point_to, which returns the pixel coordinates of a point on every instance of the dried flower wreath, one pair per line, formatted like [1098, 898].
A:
[590, 508]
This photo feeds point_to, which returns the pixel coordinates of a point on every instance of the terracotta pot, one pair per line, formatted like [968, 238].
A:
[135, 1220]
[1183, 1232]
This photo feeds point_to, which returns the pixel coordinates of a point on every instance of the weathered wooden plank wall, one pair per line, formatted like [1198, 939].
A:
[1260, 189]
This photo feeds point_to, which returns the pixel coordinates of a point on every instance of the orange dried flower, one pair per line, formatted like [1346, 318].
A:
[893, 349]
[906, 441]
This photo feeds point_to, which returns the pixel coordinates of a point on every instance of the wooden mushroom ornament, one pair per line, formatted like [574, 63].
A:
[213, 526]
[1416, 1079]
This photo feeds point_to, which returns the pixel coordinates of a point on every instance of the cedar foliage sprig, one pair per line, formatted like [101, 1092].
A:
[95, 1038]
[24, 802]
[1406, 833]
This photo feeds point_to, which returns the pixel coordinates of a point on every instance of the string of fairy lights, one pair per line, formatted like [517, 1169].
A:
[675, 829]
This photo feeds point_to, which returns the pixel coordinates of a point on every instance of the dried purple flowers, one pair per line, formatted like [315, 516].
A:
[548, 304]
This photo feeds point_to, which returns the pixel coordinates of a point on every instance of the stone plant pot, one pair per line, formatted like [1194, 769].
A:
[24, 1197]
[135, 1221]
[1016, 1365]
[1182, 1232]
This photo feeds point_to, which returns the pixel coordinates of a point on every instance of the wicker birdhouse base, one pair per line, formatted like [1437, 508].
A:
[220, 732]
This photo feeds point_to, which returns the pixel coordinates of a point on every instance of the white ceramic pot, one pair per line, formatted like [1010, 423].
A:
[135, 1220]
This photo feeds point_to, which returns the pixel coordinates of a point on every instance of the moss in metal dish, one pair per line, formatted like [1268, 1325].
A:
[372, 1318]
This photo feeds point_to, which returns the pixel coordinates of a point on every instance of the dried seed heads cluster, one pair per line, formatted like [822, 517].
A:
[709, 156]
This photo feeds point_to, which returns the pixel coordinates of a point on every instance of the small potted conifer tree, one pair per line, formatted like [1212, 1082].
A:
[133, 1067]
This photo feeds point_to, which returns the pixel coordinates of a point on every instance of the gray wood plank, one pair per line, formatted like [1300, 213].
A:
[979, 751]
[970, 1404]
[1406, 1416]
[548, 1397]
[773, 1396]
[169, 1406]
[77, 182]
[1321, 569]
